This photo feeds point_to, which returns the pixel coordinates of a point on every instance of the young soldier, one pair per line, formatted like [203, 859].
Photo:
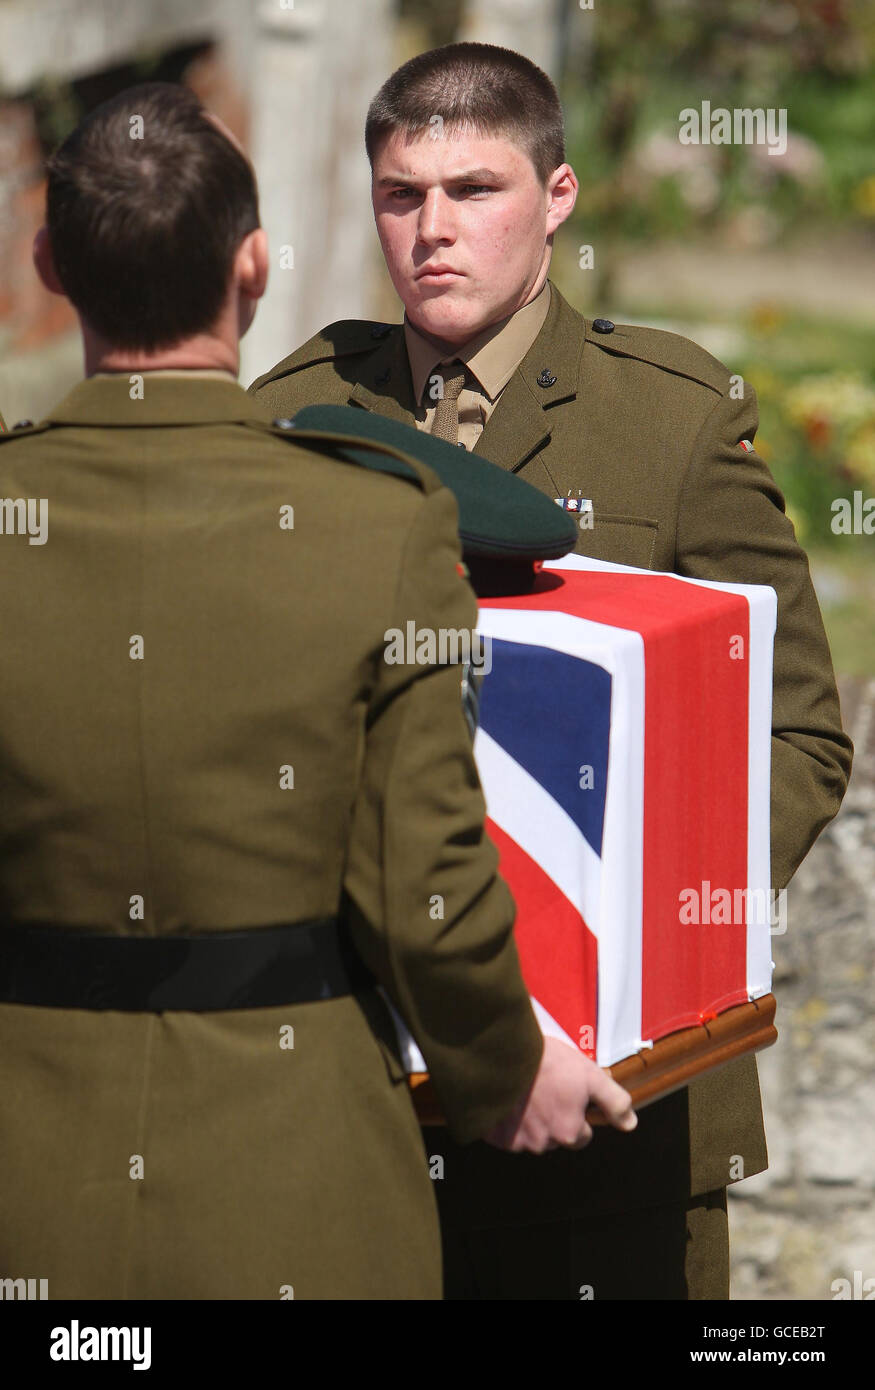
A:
[470, 184]
[224, 816]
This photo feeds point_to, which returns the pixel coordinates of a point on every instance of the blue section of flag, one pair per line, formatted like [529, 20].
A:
[552, 714]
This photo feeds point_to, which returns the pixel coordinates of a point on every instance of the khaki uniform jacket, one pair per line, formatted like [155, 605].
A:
[641, 422]
[185, 1155]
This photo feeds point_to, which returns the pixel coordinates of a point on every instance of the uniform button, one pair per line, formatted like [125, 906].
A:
[285, 424]
[379, 330]
[23, 425]
[603, 326]
[546, 378]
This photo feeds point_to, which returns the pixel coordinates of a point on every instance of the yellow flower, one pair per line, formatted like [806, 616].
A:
[861, 453]
[765, 382]
[800, 524]
[766, 316]
[864, 196]
[832, 398]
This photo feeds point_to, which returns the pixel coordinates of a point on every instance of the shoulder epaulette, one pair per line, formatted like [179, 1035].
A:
[365, 453]
[24, 428]
[346, 338]
[668, 351]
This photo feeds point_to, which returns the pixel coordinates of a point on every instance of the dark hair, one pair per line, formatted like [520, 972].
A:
[474, 86]
[144, 230]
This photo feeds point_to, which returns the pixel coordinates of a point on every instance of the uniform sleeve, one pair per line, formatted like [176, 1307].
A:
[429, 913]
[732, 526]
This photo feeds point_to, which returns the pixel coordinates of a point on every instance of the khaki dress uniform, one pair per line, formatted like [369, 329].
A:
[200, 735]
[647, 426]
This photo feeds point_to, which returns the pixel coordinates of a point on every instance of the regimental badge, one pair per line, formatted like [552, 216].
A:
[472, 679]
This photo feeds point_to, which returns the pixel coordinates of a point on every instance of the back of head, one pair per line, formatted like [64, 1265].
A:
[147, 203]
[476, 87]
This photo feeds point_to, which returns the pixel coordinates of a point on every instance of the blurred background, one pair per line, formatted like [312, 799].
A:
[765, 259]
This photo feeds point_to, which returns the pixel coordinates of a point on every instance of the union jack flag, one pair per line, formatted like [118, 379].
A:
[624, 749]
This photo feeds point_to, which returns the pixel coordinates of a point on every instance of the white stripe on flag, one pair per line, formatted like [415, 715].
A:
[549, 1027]
[521, 807]
[763, 618]
[617, 926]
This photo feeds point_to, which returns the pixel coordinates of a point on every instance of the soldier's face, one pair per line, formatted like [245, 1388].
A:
[466, 227]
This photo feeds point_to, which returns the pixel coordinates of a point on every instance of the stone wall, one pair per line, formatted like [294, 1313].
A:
[810, 1219]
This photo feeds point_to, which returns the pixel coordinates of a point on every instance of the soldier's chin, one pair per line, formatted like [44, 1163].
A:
[444, 313]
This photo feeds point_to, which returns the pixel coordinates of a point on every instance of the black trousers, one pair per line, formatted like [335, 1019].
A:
[675, 1251]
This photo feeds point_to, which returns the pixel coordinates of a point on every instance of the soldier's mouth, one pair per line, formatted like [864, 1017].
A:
[437, 274]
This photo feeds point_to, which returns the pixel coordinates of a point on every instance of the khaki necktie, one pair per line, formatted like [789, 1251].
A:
[446, 417]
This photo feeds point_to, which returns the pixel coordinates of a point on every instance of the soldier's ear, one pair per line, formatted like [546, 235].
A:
[45, 262]
[250, 277]
[562, 189]
[251, 264]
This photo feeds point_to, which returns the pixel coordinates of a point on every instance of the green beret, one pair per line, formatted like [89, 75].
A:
[500, 516]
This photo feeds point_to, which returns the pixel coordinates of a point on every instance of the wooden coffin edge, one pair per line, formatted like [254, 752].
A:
[669, 1064]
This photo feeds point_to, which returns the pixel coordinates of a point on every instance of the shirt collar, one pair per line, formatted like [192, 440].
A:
[492, 356]
[201, 373]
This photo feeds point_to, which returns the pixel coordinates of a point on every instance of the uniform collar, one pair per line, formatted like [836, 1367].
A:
[549, 373]
[169, 398]
[492, 356]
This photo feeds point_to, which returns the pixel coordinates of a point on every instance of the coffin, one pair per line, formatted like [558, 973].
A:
[624, 747]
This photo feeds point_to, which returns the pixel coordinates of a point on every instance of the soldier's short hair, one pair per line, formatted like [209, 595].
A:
[477, 87]
[147, 203]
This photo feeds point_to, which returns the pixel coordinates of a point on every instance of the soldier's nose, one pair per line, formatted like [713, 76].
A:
[434, 225]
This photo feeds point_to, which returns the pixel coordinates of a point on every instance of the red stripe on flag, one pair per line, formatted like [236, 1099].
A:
[558, 953]
[695, 781]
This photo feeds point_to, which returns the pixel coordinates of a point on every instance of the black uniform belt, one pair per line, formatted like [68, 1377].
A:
[55, 967]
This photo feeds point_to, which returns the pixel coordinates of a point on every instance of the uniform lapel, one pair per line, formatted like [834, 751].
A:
[386, 387]
[549, 373]
[520, 425]
[517, 428]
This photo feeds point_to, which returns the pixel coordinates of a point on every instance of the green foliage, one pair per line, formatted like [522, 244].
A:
[641, 62]
[817, 433]
[816, 394]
